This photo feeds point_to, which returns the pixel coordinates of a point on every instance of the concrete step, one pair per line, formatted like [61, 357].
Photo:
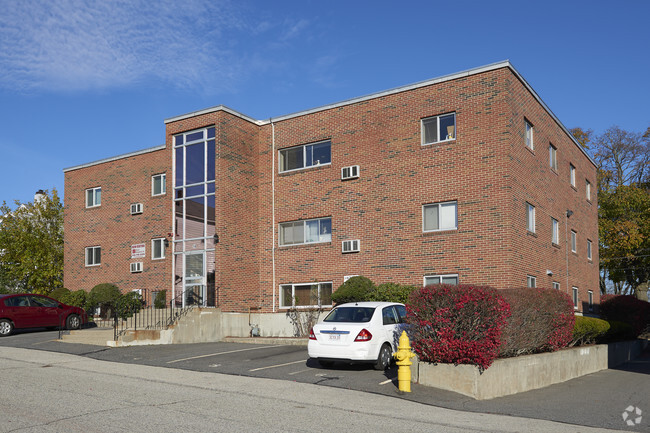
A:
[93, 336]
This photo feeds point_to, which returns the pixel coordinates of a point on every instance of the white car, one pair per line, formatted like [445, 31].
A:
[358, 332]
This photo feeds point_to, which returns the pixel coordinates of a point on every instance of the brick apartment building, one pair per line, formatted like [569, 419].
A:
[466, 178]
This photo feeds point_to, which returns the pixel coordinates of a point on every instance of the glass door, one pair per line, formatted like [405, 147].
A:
[194, 284]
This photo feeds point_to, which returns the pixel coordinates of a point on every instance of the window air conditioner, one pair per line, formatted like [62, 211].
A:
[351, 172]
[351, 246]
[136, 208]
[136, 267]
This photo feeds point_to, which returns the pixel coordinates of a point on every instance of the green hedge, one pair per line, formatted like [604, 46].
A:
[588, 330]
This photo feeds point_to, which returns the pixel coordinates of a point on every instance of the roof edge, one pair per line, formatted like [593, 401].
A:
[115, 158]
[213, 110]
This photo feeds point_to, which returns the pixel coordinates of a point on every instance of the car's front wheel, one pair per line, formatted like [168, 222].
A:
[383, 360]
[6, 327]
[73, 322]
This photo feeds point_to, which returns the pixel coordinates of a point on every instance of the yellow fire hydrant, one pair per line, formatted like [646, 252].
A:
[403, 357]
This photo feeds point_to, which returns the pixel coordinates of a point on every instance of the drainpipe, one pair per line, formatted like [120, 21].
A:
[273, 208]
[566, 241]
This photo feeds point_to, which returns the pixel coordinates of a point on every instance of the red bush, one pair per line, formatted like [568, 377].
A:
[627, 309]
[457, 324]
[541, 320]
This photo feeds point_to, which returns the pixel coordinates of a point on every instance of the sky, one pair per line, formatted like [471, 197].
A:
[85, 80]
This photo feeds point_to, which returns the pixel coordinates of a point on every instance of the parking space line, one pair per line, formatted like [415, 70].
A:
[300, 371]
[219, 353]
[278, 365]
[386, 381]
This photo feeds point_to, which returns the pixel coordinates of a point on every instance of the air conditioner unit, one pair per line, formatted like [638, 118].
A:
[351, 246]
[351, 172]
[136, 267]
[136, 208]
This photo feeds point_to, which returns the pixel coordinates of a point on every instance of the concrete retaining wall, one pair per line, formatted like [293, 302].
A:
[524, 373]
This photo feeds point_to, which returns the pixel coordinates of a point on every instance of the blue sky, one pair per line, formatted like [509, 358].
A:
[85, 80]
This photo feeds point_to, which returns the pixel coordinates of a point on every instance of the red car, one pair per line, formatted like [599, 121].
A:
[26, 310]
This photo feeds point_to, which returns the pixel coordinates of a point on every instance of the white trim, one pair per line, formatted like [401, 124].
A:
[304, 156]
[162, 248]
[529, 279]
[574, 241]
[437, 117]
[293, 294]
[304, 225]
[86, 256]
[163, 183]
[575, 297]
[94, 190]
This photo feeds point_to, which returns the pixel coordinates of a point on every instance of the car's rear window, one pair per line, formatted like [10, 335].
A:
[350, 314]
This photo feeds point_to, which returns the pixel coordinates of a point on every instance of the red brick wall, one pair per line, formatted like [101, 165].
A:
[486, 169]
[111, 225]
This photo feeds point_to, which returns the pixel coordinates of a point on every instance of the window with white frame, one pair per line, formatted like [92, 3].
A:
[552, 151]
[588, 249]
[531, 281]
[591, 300]
[307, 155]
[158, 249]
[439, 216]
[588, 189]
[441, 279]
[93, 256]
[574, 242]
[93, 197]
[575, 298]
[556, 285]
[572, 175]
[306, 295]
[529, 135]
[438, 128]
[530, 217]
[306, 231]
[159, 184]
[555, 231]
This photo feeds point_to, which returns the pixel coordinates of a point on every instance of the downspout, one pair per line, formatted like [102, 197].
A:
[273, 209]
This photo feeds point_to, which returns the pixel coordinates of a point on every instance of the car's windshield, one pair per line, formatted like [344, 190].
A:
[350, 314]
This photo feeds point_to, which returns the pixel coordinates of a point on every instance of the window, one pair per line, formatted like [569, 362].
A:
[93, 197]
[575, 298]
[439, 216]
[530, 217]
[591, 300]
[306, 232]
[552, 154]
[308, 155]
[438, 128]
[529, 135]
[305, 295]
[572, 175]
[158, 248]
[93, 256]
[588, 189]
[531, 281]
[574, 242]
[588, 249]
[441, 279]
[555, 231]
[556, 285]
[159, 184]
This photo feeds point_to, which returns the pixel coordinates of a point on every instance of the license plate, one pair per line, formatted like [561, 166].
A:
[335, 337]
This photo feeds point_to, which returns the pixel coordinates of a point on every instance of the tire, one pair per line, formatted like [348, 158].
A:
[73, 322]
[384, 358]
[6, 327]
[326, 364]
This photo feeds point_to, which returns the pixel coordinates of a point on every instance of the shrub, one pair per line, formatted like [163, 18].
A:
[618, 331]
[628, 309]
[105, 296]
[588, 330]
[59, 293]
[541, 320]
[356, 289]
[392, 292]
[160, 301]
[457, 324]
[128, 304]
[78, 298]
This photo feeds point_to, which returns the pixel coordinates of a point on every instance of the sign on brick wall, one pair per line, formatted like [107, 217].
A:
[138, 251]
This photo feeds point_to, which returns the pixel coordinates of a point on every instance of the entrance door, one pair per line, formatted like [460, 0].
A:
[194, 284]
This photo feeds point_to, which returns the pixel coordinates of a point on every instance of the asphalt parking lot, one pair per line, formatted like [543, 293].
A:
[596, 400]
